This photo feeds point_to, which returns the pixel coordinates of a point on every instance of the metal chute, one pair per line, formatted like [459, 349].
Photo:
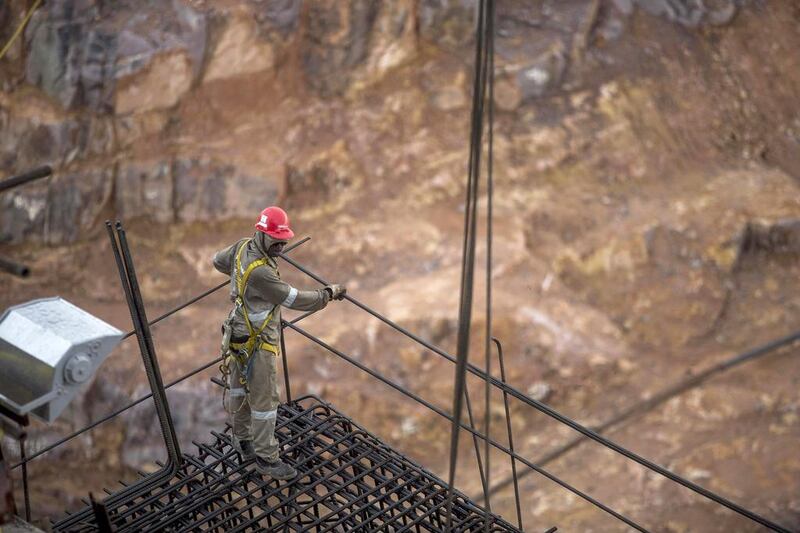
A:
[48, 349]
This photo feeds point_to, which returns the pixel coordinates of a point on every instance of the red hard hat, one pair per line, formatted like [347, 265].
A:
[275, 222]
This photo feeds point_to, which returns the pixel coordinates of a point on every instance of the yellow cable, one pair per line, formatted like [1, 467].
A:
[19, 29]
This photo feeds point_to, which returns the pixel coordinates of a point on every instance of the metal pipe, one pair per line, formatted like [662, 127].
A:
[138, 327]
[489, 258]
[12, 267]
[20, 420]
[16, 181]
[469, 245]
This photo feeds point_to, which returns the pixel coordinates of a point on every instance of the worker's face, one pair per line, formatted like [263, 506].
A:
[275, 249]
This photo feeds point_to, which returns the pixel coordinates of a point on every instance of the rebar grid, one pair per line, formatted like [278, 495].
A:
[348, 481]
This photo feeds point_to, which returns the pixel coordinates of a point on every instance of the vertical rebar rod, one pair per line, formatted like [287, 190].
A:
[285, 365]
[489, 236]
[475, 443]
[159, 392]
[25, 492]
[510, 432]
[468, 256]
[139, 323]
[101, 515]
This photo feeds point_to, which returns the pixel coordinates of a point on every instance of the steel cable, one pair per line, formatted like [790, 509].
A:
[202, 295]
[659, 398]
[114, 414]
[441, 412]
[552, 413]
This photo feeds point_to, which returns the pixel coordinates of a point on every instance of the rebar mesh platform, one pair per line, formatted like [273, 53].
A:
[349, 481]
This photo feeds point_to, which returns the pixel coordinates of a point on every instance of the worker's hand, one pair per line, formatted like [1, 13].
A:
[336, 292]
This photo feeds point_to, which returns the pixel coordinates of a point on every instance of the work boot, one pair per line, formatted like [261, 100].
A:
[276, 469]
[245, 449]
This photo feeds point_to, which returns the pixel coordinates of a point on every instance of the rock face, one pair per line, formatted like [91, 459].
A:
[322, 178]
[145, 188]
[336, 42]
[196, 411]
[447, 22]
[689, 13]
[239, 50]
[56, 213]
[70, 59]
[161, 84]
[646, 208]
[204, 190]
[79, 50]
[121, 75]
[75, 201]
[190, 190]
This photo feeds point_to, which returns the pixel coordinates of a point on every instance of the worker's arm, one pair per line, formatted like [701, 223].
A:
[273, 289]
[223, 260]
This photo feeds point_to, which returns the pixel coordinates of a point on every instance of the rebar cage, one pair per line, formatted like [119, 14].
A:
[348, 481]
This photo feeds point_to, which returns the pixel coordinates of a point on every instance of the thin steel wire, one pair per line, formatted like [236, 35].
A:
[19, 29]
[147, 347]
[476, 445]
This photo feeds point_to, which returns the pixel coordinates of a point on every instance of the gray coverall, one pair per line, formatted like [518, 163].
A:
[255, 419]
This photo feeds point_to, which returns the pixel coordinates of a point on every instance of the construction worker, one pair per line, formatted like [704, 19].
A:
[251, 336]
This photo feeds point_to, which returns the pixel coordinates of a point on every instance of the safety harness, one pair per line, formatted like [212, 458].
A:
[241, 352]
[242, 275]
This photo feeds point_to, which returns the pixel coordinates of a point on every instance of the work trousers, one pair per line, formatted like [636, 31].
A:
[253, 414]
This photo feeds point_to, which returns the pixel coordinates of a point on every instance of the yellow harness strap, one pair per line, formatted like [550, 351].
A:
[242, 276]
[248, 345]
